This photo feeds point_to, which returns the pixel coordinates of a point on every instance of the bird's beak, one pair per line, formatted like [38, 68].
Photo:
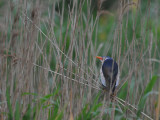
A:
[99, 57]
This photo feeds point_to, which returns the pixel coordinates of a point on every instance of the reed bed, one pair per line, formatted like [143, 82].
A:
[48, 66]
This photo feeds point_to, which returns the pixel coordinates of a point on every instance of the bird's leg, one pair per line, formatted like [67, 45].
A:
[112, 95]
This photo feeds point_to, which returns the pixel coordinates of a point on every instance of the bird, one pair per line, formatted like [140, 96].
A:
[109, 74]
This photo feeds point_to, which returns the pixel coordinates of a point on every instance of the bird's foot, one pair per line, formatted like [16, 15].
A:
[112, 96]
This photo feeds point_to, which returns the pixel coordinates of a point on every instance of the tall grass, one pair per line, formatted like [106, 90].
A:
[48, 67]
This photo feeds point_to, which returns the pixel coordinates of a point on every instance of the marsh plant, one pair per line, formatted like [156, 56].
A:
[48, 66]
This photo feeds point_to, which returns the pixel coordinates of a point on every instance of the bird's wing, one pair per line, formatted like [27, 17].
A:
[103, 81]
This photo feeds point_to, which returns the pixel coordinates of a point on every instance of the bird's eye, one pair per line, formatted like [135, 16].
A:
[104, 58]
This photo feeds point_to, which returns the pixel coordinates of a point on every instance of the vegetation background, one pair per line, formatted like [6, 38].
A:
[48, 68]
